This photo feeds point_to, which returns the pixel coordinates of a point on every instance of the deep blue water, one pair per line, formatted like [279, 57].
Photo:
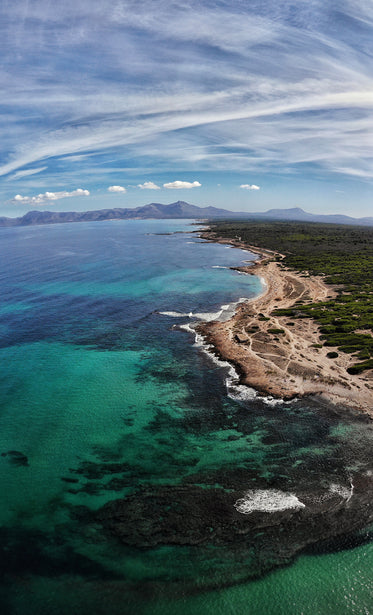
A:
[103, 397]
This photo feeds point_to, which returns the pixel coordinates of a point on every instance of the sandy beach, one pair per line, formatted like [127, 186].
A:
[278, 355]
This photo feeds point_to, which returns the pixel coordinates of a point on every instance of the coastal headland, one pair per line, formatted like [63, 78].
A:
[279, 356]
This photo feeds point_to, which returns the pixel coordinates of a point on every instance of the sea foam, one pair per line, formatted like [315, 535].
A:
[267, 500]
[235, 391]
[224, 313]
[240, 392]
[174, 314]
[344, 492]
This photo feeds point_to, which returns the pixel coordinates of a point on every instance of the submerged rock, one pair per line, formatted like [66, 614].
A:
[267, 526]
[16, 458]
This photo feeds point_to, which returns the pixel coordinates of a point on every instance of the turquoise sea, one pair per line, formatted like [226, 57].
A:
[129, 454]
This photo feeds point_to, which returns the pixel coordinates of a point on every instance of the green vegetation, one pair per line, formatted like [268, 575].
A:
[343, 255]
[360, 367]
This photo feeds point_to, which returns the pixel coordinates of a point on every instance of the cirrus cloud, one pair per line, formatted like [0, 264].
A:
[250, 187]
[148, 186]
[47, 197]
[117, 189]
[27, 172]
[200, 86]
[178, 185]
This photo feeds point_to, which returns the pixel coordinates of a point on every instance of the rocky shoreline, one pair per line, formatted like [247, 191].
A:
[276, 355]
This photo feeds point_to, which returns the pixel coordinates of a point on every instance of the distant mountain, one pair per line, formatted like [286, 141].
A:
[180, 209]
[298, 214]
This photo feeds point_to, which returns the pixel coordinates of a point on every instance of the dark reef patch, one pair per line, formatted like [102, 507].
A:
[178, 494]
[16, 458]
[46, 554]
[191, 516]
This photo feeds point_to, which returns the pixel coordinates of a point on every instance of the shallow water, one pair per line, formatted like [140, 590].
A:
[105, 398]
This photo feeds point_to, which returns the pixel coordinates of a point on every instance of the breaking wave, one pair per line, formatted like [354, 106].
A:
[267, 500]
[241, 392]
[235, 390]
[345, 492]
[174, 314]
[225, 313]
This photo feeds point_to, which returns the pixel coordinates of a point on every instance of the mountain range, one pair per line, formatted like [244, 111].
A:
[180, 209]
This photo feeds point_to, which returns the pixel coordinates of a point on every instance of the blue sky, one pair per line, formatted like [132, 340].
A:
[242, 105]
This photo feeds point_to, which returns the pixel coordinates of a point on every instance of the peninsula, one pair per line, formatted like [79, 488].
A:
[310, 331]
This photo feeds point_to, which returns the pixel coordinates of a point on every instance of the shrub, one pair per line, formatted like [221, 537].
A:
[363, 354]
[358, 368]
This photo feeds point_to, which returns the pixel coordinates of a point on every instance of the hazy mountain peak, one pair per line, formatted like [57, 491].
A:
[289, 210]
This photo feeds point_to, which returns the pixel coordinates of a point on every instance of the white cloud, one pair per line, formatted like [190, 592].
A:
[248, 115]
[27, 172]
[250, 187]
[178, 185]
[148, 186]
[20, 199]
[46, 197]
[117, 189]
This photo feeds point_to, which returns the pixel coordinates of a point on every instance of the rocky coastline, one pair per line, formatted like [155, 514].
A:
[276, 355]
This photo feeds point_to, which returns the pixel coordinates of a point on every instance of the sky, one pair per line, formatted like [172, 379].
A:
[242, 104]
